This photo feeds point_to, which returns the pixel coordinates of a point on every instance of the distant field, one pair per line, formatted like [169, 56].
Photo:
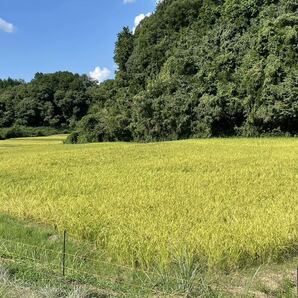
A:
[221, 202]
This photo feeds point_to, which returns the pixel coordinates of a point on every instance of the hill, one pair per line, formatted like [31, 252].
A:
[194, 68]
[200, 68]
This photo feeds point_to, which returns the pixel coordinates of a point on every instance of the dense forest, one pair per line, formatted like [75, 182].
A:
[50, 103]
[58, 100]
[194, 68]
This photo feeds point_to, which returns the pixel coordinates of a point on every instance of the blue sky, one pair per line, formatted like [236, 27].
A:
[74, 35]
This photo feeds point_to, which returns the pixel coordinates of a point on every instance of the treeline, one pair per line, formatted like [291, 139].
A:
[54, 100]
[19, 131]
[194, 68]
[202, 68]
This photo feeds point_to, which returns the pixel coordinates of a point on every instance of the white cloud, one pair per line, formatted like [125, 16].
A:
[139, 19]
[6, 27]
[100, 74]
[132, 1]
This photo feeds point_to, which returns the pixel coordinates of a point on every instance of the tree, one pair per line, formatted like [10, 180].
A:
[123, 48]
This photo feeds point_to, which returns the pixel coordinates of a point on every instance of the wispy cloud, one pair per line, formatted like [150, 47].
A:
[6, 27]
[128, 1]
[100, 74]
[139, 18]
[132, 1]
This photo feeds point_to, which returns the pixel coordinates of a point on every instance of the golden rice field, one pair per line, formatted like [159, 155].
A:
[231, 202]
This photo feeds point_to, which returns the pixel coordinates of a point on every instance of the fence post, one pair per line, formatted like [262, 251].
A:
[297, 280]
[64, 252]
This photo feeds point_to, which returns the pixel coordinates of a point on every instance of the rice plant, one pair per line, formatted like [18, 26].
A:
[229, 202]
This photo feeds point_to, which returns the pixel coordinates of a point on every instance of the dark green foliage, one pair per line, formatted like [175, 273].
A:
[203, 68]
[25, 131]
[56, 100]
[123, 48]
[73, 138]
[194, 68]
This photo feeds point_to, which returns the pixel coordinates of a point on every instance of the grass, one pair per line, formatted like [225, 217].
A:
[30, 266]
[188, 206]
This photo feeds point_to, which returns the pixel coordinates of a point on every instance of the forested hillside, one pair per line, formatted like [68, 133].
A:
[200, 68]
[194, 68]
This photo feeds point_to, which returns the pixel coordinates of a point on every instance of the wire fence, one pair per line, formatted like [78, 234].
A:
[78, 265]
[74, 257]
[100, 280]
[75, 264]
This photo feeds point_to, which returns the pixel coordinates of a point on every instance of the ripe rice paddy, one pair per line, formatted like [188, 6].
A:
[223, 202]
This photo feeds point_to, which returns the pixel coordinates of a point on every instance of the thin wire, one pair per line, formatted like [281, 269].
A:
[106, 280]
[23, 258]
[103, 262]
[99, 278]
[29, 245]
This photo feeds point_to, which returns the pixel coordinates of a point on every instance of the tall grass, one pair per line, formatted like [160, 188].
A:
[221, 203]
